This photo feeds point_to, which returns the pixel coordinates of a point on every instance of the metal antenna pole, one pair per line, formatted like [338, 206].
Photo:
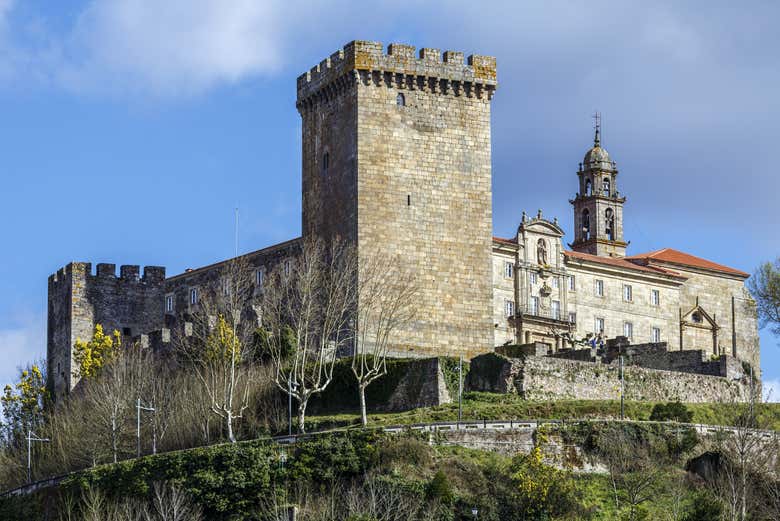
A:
[139, 408]
[236, 231]
[138, 428]
[289, 404]
[460, 389]
[622, 410]
[31, 437]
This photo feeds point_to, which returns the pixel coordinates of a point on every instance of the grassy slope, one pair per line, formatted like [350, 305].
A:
[479, 406]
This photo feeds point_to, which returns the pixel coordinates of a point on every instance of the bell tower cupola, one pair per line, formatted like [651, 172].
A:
[598, 206]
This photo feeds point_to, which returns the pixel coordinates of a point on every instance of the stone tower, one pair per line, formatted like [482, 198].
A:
[397, 159]
[78, 299]
[598, 206]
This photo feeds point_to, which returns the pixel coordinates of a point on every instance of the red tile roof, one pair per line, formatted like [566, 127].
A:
[668, 255]
[505, 241]
[620, 262]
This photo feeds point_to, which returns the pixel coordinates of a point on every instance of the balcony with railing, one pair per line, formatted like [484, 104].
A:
[545, 313]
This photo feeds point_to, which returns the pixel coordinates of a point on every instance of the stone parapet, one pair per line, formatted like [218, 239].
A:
[429, 71]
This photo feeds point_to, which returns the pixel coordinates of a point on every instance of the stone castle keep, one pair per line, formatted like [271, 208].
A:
[397, 158]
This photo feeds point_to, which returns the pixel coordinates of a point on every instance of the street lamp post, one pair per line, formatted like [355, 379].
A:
[138, 409]
[31, 437]
[474, 512]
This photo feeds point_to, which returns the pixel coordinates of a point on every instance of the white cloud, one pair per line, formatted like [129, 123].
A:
[771, 390]
[172, 47]
[21, 343]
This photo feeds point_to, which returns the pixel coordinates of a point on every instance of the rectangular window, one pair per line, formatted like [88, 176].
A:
[169, 303]
[509, 270]
[259, 277]
[532, 278]
[572, 283]
[655, 297]
[509, 308]
[555, 282]
[226, 287]
[193, 295]
[599, 288]
[287, 267]
[628, 293]
[534, 306]
[628, 329]
[555, 307]
[572, 318]
[599, 325]
[656, 334]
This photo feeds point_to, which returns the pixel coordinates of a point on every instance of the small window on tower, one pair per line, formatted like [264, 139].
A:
[585, 224]
[609, 221]
[588, 187]
[400, 100]
[605, 186]
[325, 162]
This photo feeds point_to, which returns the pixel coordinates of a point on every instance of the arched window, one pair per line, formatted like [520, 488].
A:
[588, 187]
[609, 220]
[400, 100]
[325, 162]
[585, 224]
[605, 188]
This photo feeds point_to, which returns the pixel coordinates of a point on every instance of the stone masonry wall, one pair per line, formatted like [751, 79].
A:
[78, 300]
[544, 378]
[408, 173]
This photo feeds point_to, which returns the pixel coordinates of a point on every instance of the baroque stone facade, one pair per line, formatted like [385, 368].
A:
[562, 298]
[396, 160]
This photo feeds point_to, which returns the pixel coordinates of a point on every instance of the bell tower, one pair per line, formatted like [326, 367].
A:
[598, 206]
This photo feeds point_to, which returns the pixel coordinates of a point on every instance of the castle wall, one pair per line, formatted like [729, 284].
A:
[545, 378]
[210, 279]
[78, 300]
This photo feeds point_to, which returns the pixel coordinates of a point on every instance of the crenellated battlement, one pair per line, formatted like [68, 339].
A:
[105, 271]
[431, 71]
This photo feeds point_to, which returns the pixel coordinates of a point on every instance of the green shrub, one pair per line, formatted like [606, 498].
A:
[705, 507]
[671, 411]
[439, 488]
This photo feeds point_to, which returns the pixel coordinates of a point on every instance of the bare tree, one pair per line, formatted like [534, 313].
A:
[110, 398]
[385, 303]
[312, 296]
[634, 470]
[744, 455]
[220, 347]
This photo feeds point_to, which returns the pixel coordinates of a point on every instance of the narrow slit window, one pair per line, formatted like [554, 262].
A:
[408, 200]
[400, 100]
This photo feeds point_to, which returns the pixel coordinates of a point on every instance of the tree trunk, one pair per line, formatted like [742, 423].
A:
[363, 416]
[229, 425]
[302, 414]
[113, 437]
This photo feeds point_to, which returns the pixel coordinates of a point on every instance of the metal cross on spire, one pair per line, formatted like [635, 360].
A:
[597, 126]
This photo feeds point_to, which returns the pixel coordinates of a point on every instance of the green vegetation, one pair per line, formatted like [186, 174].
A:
[489, 406]
[672, 411]
[357, 474]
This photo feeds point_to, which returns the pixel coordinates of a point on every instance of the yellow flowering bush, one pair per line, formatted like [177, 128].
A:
[23, 404]
[541, 490]
[223, 344]
[92, 356]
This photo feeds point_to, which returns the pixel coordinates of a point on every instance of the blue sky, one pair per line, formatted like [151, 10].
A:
[130, 129]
